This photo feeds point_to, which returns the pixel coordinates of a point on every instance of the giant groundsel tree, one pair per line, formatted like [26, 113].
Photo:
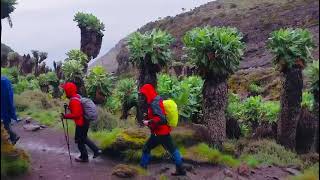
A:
[149, 52]
[216, 51]
[292, 50]
[91, 34]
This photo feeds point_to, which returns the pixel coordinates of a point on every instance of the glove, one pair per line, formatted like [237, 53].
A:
[146, 122]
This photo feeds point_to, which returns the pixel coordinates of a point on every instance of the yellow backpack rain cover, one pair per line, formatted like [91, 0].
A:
[172, 113]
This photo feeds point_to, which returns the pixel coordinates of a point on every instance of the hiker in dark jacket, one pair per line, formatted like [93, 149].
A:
[8, 110]
[82, 126]
[160, 131]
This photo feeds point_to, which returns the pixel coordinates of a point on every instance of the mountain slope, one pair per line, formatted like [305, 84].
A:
[254, 18]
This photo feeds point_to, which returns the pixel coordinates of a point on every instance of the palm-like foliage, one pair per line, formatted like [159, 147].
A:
[156, 44]
[76, 54]
[89, 21]
[215, 50]
[312, 71]
[289, 46]
[126, 90]
[98, 79]
[52, 79]
[72, 70]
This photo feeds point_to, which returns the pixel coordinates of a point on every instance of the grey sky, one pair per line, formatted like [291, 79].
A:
[47, 25]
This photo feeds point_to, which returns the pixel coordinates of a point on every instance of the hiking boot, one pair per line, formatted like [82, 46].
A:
[81, 160]
[16, 140]
[98, 153]
[179, 171]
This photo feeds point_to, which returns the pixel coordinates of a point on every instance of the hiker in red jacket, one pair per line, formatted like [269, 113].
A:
[82, 126]
[160, 131]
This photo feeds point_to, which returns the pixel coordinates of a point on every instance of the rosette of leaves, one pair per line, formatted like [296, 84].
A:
[76, 54]
[98, 80]
[155, 44]
[215, 50]
[291, 47]
[72, 70]
[89, 21]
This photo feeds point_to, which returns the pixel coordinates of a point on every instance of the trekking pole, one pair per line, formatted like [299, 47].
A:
[67, 133]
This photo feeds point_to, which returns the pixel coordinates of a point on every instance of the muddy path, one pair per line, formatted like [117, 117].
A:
[50, 161]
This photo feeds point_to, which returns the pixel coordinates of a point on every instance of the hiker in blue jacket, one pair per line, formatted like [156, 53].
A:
[8, 110]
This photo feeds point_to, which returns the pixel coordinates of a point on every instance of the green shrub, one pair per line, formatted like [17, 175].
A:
[77, 55]
[72, 70]
[105, 138]
[23, 84]
[13, 168]
[270, 153]
[252, 110]
[289, 45]
[11, 73]
[89, 21]
[105, 121]
[98, 79]
[307, 100]
[186, 93]
[203, 152]
[254, 88]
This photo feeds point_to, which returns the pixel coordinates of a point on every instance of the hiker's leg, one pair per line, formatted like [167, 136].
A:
[168, 144]
[80, 140]
[12, 135]
[150, 144]
[87, 141]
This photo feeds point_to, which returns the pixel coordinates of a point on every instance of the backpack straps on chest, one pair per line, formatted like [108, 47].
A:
[156, 110]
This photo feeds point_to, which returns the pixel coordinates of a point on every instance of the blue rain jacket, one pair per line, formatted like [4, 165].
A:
[8, 110]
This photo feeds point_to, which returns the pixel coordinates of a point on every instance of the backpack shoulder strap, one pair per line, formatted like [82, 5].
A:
[155, 106]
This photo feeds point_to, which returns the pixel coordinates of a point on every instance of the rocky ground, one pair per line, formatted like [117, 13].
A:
[50, 161]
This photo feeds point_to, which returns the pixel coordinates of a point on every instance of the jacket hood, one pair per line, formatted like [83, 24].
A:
[149, 92]
[70, 89]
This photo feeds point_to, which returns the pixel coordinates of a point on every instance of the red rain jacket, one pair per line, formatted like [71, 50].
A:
[158, 129]
[76, 110]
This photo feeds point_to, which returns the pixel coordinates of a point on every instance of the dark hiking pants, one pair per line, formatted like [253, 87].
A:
[166, 142]
[82, 140]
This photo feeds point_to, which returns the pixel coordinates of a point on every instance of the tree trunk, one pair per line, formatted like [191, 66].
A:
[316, 111]
[290, 100]
[90, 43]
[44, 88]
[214, 106]
[147, 75]
[56, 92]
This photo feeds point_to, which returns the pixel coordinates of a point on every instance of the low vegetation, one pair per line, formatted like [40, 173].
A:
[14, 162]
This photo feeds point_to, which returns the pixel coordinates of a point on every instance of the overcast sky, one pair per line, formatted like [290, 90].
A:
[47, 25]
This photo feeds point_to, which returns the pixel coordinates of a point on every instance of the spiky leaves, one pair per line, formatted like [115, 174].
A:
[76, 54]
[89, 21]
[216, 51]
[98, 79]
[156, 44]
[291, 47]
[72, 70]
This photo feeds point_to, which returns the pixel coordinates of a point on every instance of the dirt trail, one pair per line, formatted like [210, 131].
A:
[50, 161]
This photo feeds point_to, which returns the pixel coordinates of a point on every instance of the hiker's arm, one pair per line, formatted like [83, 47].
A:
[75, 110]
[159, 118]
